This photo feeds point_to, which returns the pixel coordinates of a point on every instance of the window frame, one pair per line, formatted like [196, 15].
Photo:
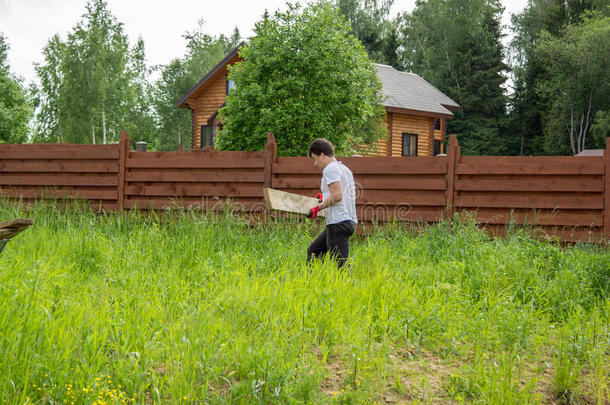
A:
[439, 150]
[411, 137]
[228, 87]
[211, 136]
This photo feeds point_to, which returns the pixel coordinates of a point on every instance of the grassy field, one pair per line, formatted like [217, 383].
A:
[186, 308]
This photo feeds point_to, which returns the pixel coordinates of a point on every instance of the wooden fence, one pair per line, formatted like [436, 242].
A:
[566, 196]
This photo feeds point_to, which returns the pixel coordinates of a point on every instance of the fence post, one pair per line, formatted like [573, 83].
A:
[123, 152]
[453, 158]
[270, 155]
[606, 228]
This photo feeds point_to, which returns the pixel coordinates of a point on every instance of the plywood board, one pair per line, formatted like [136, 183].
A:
[290, 202]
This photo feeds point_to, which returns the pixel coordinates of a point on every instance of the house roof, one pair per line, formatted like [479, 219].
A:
[410, 91]
[402, 90]
[591, 152]
[182, 102]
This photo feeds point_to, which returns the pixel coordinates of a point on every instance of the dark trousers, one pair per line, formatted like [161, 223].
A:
[334, 240]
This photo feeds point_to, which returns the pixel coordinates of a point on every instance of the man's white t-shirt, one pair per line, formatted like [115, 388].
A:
[346, 208]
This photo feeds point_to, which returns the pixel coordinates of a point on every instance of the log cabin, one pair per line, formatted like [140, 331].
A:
[416, 111]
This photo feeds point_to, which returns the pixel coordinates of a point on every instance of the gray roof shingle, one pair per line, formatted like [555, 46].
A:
[410, 91]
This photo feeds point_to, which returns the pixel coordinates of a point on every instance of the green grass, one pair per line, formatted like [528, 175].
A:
[183, 307]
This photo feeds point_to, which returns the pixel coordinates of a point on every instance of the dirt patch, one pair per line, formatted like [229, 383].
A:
[420, 375]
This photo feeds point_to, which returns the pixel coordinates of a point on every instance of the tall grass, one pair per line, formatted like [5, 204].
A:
[184, 307]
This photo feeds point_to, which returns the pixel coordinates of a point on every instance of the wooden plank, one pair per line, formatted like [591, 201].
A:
[557, 165]
[389, 197]
[538, 217]
[401, 197]
[560, 234]
[123, 152]
[534, 200]
[12, 228]
[530, 183]
[398, 213]
[68, 166]
[197, 154]
[190, 162]
[367, 165]
[251, 204]
[94, 205]
[53, 193]
[187, 189]
[606, 228]
[372, 182]
[453, 159]
[58, 151]
[270, 157]
[59, 179]
[212, 176]
[290, 202]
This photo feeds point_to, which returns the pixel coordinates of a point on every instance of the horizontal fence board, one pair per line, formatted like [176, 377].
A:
[390, 197]
[109, 193]
[372, 182]
[537, 217]
[401, 197]
[250, 204]
[397, 165]
[58, 151]
[182, 189]
[59, 179]
[187, 162]
[562, 234]
[71, 166]
[196, 175]
[95, 205]
[197, 154]
[529, 183]
[367, 165]
[556, 165]
[398, 213]
[534, 200]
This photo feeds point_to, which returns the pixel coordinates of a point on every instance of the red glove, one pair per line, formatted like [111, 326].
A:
[319, 196]
[313, 213]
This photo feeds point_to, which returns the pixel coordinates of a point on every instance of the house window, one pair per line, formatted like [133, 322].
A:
[437, 123]
[207, 136]
[230, 85]
[437, 147]
[409, 144]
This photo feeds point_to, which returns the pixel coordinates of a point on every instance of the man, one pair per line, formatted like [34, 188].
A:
[338, 198]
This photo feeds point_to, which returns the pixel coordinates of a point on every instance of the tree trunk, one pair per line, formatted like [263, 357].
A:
[572, 131]
[93, 133]
[103, 124]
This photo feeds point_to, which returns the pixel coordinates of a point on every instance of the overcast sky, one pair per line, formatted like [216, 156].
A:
[28, 24]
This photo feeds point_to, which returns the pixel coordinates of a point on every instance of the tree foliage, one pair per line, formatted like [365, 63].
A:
[456, 46]
[370, 23]
[91, 83]
[203, 53]
[527, 104]
[15, 108]
[303, 76]
[577, 83]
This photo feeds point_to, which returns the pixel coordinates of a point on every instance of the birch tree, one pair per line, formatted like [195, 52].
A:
[88, 86]
[577, 83]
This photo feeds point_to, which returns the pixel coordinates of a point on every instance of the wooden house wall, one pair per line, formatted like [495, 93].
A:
[207, 100]
[414, 125]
